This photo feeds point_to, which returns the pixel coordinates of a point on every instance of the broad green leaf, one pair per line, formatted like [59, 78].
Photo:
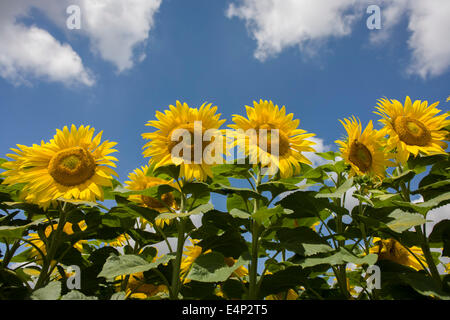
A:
[15, 232]
[77, 295]
[263, 215]
[339, 191]
[441, 234]
[330, 155]
[200, 209]
[236, 213]
[404, 220]
[52, 291]
[211, 267]
[304, 204]
[119, 296]
[302, 241]
[127, 264]
[342, 256]
[423, 284]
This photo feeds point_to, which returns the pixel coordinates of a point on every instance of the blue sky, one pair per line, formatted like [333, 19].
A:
[202, 50]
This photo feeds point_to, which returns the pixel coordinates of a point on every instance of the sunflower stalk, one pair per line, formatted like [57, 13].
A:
[253, 285]
[53, 247]
[176, 283]
[406, 192]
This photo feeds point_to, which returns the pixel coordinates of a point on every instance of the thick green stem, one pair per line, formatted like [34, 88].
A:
[254, 262]
[253, 272]
[177, 262]
[52, 249]
[428, 257]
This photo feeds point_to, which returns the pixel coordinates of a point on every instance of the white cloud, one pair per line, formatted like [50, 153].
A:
[430, 23]
[117, 32]
[319, 146]
[30, 52]
[116, 28]
[280, 24]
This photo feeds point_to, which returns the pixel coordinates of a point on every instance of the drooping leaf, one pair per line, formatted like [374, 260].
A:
[129, 263]
[211, 267]
[52, 291]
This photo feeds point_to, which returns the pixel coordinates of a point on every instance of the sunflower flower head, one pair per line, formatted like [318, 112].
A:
[74, 165]
[363, 150]
[188, 137]
[38, 243]
[271, 138]
[413, 128]
[139, 180]
[391, 249]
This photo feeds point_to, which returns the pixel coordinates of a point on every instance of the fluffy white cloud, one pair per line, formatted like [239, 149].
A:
[319, 146]
[429, 23]
[116, 31]
[280, 24]
[116, 28]
[30, 52]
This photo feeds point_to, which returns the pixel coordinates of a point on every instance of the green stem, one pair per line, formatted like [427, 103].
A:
[53, 246]
[177, 262]
[428, 257]
[425, 246]
[253, 272]
[176, 265]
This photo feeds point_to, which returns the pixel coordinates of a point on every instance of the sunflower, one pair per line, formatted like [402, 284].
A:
[271, 138]
[137, 288]
[413, 128]
[391, 249]
[289, 295]
[363, 150]
[179, 139]
[140, 180]
[39, 243]
[74, 165]
[120, 241]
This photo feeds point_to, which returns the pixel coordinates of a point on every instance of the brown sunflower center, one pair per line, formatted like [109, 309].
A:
[167, 200]
[360, 156]
[184, 138]
[273, 138]
[72, 166]
[412, 131]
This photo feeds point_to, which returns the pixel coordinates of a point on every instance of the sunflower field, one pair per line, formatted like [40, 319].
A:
[252, 220]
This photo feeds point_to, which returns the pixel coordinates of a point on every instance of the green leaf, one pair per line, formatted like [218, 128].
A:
[441, 233]
[237, 213]
[264, 215]
[404, 220]
[127, 264]
[282, 280]
[199, 210]
[423, 284]
[211, 267]
[277, 187]
[77, 295]
[339, 191]
[302, 241]
[304, 204]
[232, 170]
[15, 232]
[342, 256]
[330, 155]
[200, 194]
[119, 296]
[52, 291]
